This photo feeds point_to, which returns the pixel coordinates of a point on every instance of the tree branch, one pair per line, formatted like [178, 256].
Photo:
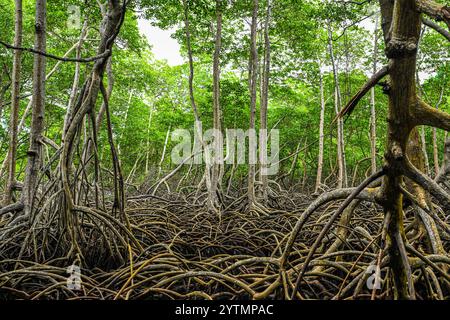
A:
[436, 27]
[348, 109]
[424, 114]
[437, 11]
[105, 54]
[428, 184]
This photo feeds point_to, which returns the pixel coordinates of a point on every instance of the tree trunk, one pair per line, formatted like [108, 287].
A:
[76, 80]
[253, 89]
[15, 104]
[198, 126]
[321, 134]
[424, 149]
[435, 144]
[37, 117]
[217, 165]
[342, 176]
[147, 153]
[373, 128]
[87, 99]
[401, 26]
[263, 145]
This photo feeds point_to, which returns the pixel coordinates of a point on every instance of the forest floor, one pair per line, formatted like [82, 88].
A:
[184, 251]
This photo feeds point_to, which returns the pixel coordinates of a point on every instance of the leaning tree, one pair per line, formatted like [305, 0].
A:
[400, 175]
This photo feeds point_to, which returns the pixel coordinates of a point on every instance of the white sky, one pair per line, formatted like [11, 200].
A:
[163, 46]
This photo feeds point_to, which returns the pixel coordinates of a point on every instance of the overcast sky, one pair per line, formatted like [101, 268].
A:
[163, 46]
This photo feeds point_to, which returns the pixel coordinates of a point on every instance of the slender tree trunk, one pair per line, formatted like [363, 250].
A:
[147, 154]
[342, 177]
[263, 145]
[253, 89]
[217, 165]
[76, 80]
[424, 149]
[198, 126]
[423, 140]
[435, 153]
[109, 75]
[37, 117]
[321, 133]
[435, 144]
[373, 127]
[15, 104]
[163, 155]
[445, 169]
[127, 110]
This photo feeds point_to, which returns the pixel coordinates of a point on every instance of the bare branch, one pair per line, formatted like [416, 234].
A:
[348, 109]
[436, 27]
[50, 142]
[105, 54]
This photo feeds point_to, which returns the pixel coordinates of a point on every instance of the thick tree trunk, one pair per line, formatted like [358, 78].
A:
[37, 118]
[402, 36]
[15, 104]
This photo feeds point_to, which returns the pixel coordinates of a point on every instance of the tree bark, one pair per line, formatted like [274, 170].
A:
[37, 117]
[321, 134]
[373, 127]
[342, 177]
[253, 89]
[435, 144]
[263, 145]
[197, 125]
[15, 104]
[217, 165]
[401, 37]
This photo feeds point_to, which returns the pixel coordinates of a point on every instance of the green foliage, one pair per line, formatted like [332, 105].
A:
[150, 97]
